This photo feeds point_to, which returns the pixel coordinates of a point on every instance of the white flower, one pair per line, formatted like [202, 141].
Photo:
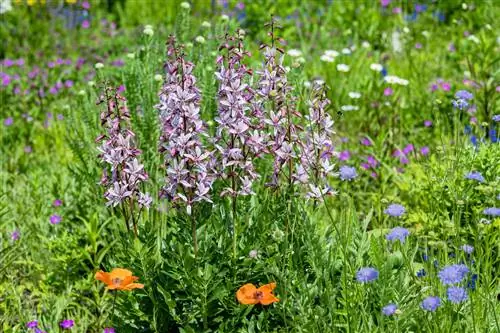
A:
[396, 41]
[365, 45]
[474, 39]
[200, 39]
[354, 94]
[346, 108]
[319, 82]
[343, 68]
[406, 30]
[376, 67]
[294, 53]
[148, 26]
[331, 53]
[206, 24]
[99, 65]
[148, 32]
[158, 77]
[326, 58]
[224, 18]
[185, 5]
[392, 79]
[307, 84]
[5, 6]
[346, 51]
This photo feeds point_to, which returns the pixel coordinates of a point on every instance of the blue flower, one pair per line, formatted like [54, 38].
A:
[347, 172]
[464, 94]
[467, 129]
[492, 211]
[395, 210]
[493, 135]
[471, 284]
[475, 175]
[389, 309]
[460, 104]
[367, 274]
[431, 303]
[496, 118]
[467, 248]
[398, 233]
[421, 273]
[453, 274]
[473, 140]
[456, 294]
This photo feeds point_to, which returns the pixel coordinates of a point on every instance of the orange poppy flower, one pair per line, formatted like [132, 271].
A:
[249, 294]
[119, 279]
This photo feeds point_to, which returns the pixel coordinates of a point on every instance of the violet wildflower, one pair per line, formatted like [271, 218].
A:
[388, 91]
[496, 118]
[109, 330]
[55, 219]
[431, 303]
[366, 142]
[427, 123]
[32, 324]
[492, 211]
[424, 151]
[28, 149]
[456, 294]
[367, 274]
[389, 309]
[187, 161]
[347, 172]
[57, 203]
[464, 94]
[462, 98]
[344, 155]
[395, 210]
[475, 175]
[8, 121]
[408, 149]
[15, 235]
[397, 233]
[67, 324]
[467, 248]
[421, 273]
[453, 274]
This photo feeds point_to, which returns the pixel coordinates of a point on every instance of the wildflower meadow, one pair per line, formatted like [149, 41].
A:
[249, 166]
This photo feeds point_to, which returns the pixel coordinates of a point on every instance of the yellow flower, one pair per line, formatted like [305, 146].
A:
[31, 2]
[71, 1]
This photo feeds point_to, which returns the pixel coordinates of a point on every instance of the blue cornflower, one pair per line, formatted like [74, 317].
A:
[347, 172]
[496, 118]
[473, 140]
[421, 273]
[398, 233]
[367, 274]
[389, 309]
[460, 104]
[467, 248]
[431, 303]
[453, 274]
[456, 294]
[493, 135]
[395, 210]
[475, 175]
[464, 94]
[492, 211]
[471, 284]
[467, 129]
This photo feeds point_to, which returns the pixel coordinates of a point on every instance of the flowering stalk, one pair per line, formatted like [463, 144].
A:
[123, 174]
[316, 148]
[238, 139]
[187, 162]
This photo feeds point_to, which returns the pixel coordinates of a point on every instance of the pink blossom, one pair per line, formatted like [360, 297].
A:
[388, 91]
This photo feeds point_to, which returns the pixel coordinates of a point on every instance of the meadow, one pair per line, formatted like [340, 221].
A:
[249, 166]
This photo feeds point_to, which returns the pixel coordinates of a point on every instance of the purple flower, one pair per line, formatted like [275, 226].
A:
[366, 142]
[68, 83]
[347, 172]
[55, 219]
[464, 94]
[492, 211]
[431, 303]
[86, 24]
[475, 175]
[418, 46]
[60, 117]
[496, 118]
[67, 324]
[424, 151]
[85, 5]
[397, 233]
[408, 149]
[453, 274]
[28, 149]
[366, 274]
[395, 210]
[389, 309]
[57, 203]
[15, 235]
[385, 3]
[388, 91]
[427, 123]
[467, 248]
[109, 330]
[32, 324]
[8, 121]
[118, 63]
[460, 104]
[344, 155]
[372, 162]
[456, 294]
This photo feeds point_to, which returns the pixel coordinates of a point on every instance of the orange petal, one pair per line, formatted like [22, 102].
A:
[133, 286]
[120, 273]
[103, 276]
[246, 294]
[267, 288]
[268, 298]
